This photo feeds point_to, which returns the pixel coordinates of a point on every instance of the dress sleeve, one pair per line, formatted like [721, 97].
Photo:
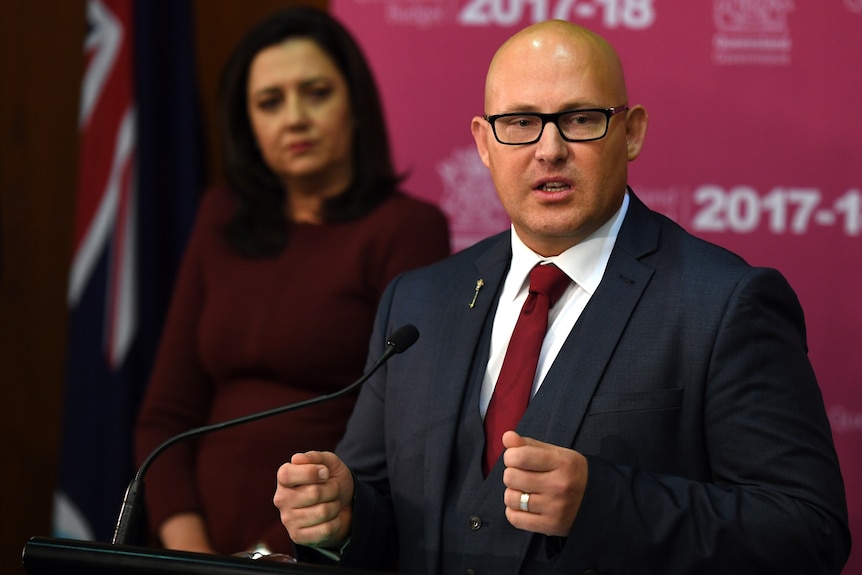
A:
[179, 392]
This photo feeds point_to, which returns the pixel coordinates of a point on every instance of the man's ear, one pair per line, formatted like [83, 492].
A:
[481, 132]
[636, 126]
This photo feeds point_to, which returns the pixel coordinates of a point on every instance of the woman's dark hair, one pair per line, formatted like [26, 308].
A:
[260, 227]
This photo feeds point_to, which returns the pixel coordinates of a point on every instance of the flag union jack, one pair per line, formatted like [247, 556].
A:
[139, 173]
[105, 218]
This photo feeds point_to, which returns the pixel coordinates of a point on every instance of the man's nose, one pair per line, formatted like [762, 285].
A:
[551, 146]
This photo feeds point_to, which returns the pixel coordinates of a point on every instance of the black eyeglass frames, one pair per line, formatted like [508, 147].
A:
[583, 125]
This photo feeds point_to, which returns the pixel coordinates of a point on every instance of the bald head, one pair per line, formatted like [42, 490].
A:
[547, 80]
[553, 46]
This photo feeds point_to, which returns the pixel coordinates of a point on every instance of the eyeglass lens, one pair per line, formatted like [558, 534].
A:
[575, 125]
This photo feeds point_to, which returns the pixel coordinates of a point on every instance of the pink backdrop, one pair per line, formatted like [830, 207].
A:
[755, 140]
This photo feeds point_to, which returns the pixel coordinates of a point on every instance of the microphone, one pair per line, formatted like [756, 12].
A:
[130, 512]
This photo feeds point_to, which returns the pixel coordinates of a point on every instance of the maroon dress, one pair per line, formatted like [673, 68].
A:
[246, 335]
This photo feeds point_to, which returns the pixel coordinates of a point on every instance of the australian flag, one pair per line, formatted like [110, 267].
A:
[140, 176]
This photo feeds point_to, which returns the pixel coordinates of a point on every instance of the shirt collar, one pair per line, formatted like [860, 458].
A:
[584, 262]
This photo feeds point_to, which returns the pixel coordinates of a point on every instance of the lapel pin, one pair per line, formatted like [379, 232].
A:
[479, 283]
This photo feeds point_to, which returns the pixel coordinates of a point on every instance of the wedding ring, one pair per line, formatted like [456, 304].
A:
[525, 502]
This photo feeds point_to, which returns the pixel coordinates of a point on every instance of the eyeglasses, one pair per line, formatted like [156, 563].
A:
[585, 125]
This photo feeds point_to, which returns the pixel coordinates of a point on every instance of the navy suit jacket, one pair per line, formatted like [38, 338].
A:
[685, 383]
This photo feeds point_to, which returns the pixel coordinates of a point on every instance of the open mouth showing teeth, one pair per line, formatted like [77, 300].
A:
[553, 187]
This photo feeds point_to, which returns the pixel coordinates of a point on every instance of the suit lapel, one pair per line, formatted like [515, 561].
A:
[577, 370]
[463, 327]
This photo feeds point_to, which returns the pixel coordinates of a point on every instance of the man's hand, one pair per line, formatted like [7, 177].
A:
[315, 498]
[555, 479]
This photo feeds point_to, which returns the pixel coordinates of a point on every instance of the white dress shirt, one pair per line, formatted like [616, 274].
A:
[584, 263]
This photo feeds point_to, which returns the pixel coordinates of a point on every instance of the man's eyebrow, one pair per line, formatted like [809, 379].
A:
[531, 109]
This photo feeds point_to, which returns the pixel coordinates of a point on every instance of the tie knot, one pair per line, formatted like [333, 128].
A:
[550, 281]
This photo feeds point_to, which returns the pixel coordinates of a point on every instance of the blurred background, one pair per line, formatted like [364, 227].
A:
[41, 67]
[753, 112]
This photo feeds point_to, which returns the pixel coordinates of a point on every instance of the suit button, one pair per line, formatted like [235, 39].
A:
[475, 522]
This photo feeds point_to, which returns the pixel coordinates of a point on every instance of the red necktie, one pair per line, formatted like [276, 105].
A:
[512, 392]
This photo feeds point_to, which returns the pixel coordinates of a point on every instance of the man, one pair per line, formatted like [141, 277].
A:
[675, 424]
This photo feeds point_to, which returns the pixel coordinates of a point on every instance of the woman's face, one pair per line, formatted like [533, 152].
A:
[299, 110]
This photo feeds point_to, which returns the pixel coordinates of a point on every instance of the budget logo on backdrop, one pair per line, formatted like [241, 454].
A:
[631, 14]
[844, 419]
[743, 209]
[469, 198]
[752, 32]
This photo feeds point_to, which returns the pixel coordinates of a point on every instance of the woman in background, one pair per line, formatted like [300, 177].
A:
[276, 296]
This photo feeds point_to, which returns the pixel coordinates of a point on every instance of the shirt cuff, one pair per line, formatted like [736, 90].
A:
[333, 554]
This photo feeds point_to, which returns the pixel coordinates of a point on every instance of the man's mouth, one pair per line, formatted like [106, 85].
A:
[554, 186]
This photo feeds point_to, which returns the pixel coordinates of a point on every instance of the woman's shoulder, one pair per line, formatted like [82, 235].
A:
[217, 205]
[417, 228]
[218, 199]
[404, 206]
[215, 209]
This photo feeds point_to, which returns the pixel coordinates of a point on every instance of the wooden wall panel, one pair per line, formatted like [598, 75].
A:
[40, 71]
